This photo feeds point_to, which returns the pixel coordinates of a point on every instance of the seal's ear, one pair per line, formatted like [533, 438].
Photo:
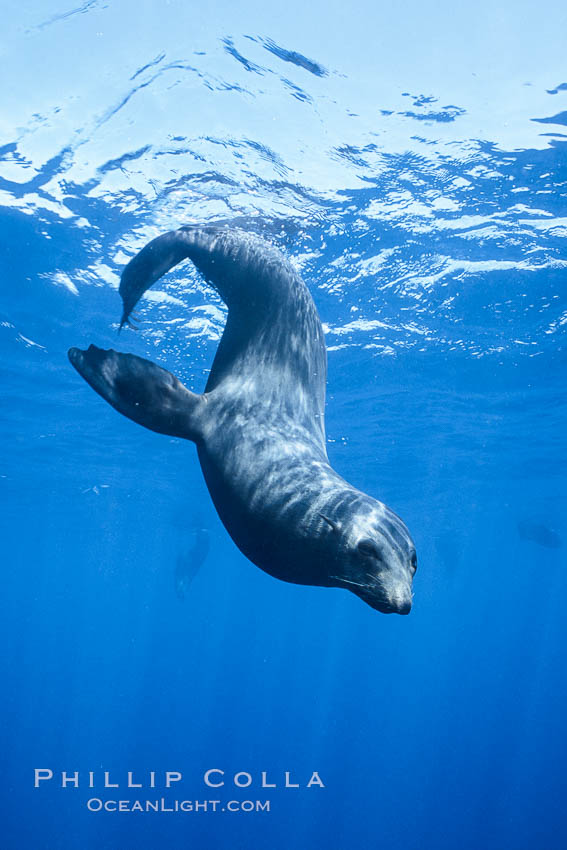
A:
[141, 391]
[336, 526]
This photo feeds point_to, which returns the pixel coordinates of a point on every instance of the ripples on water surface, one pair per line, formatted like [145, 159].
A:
[429, 222]
[412, 167]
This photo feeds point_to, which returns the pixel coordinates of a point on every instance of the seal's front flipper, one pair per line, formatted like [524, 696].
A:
[141, 391]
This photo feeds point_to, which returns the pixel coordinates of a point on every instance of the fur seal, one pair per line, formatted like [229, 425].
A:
[259, 426]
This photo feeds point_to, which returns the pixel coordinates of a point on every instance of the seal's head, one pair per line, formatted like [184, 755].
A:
[375, 557]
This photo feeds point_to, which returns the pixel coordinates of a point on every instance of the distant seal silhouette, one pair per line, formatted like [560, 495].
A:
[259, 426]
[189, 562]
[539, 533]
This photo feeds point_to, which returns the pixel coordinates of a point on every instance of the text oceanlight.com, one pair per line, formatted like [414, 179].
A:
[95, 804]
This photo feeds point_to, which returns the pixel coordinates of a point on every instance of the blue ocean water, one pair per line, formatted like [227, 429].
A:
[412, 164]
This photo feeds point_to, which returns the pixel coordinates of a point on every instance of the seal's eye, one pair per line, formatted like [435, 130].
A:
[413, 561]
[369, 549]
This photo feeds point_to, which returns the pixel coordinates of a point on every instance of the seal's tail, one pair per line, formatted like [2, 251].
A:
[273, 334]
[240, 266]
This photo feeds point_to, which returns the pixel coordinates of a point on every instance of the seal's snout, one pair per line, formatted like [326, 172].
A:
[390, 600]
[403, 607]
[400, 599]
[395, 606]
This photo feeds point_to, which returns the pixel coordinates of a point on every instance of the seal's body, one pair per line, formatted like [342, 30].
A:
[259, 425]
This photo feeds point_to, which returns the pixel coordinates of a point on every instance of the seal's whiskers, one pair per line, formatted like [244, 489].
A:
[347, 581]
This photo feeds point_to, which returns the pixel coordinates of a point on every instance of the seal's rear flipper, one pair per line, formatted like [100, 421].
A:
[141, 391]
[242, 268]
